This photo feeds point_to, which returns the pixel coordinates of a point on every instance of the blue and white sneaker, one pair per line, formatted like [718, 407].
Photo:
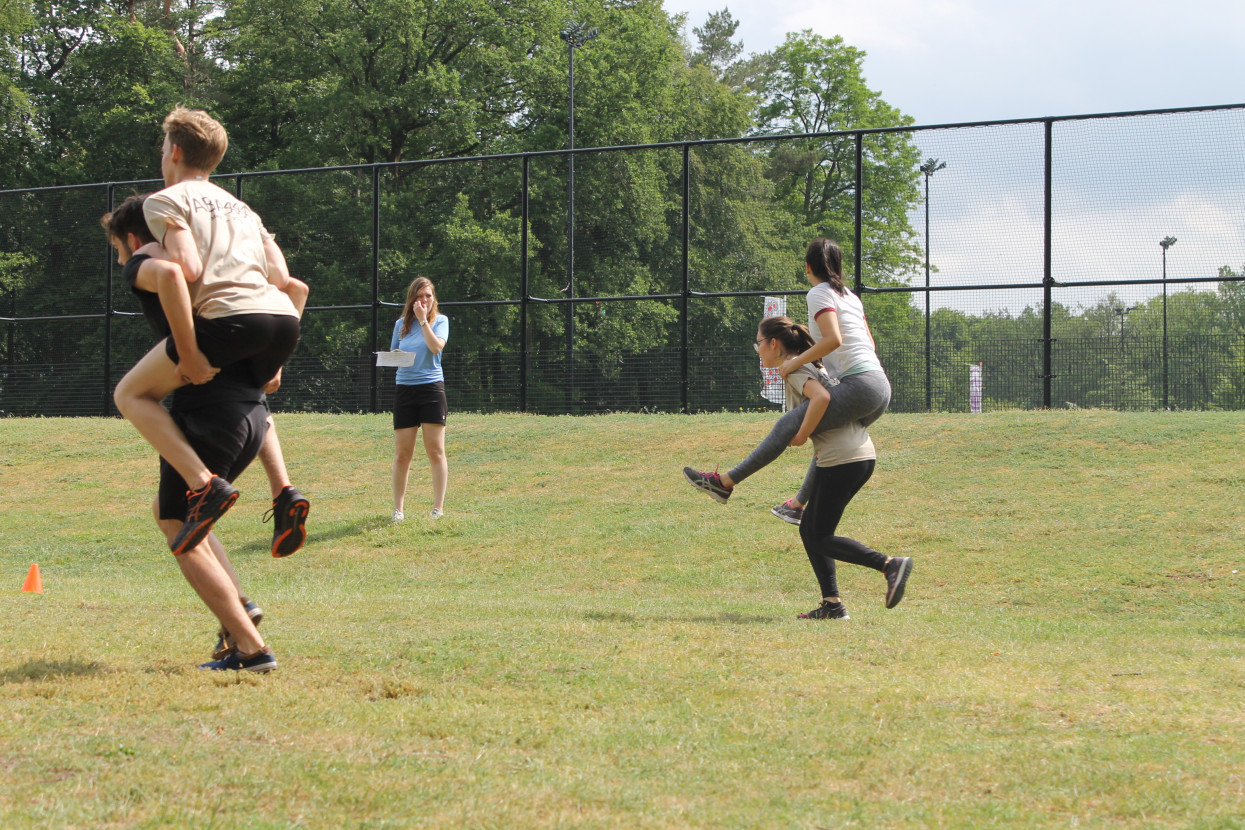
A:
[261, 661]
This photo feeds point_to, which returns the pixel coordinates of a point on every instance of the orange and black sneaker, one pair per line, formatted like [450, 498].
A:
[203, 508]
[289, 515]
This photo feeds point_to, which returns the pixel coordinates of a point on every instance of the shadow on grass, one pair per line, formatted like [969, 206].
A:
[726, 618]
[356, 528]
[49, 669]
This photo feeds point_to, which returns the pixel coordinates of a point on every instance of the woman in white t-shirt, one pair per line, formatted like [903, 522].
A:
[843, 342]
[844, 460]
[861, 393]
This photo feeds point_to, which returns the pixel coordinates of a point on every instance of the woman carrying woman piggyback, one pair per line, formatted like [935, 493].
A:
[420, 398]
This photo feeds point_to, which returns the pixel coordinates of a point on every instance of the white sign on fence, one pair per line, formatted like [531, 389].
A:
[772, 390]
[974, 387]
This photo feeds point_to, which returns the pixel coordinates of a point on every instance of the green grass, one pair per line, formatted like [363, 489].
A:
[585, 641]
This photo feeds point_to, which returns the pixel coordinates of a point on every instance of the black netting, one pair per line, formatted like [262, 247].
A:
[1124, 289]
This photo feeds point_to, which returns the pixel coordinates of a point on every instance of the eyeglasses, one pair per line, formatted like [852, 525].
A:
[756, 344]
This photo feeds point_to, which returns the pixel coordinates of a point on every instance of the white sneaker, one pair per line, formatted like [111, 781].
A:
[398, 516]
[437, 513]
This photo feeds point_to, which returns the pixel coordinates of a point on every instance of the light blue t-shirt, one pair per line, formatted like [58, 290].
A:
[427, 366]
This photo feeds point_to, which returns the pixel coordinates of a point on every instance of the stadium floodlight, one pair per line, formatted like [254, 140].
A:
[575, 35]
[1165, 243]
[929, 168]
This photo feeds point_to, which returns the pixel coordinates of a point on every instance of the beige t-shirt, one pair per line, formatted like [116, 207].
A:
[841, 445]
[230, 238]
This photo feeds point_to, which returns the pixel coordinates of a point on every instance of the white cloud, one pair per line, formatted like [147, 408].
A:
[966, 60]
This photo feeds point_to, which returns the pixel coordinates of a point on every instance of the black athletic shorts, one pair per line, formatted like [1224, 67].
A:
[226, 436]
[265, 341]
[423, 403]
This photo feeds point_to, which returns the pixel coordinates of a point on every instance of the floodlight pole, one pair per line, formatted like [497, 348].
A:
[929, 168]
[1165, 243]
[575, 35]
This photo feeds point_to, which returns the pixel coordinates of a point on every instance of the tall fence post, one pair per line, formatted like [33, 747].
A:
[525, 294]
[1046, 275]
[108, 310]
[375, 333]
[858, 245]
[684, 362]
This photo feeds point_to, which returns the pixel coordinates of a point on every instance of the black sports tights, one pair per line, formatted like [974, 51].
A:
[833, 488]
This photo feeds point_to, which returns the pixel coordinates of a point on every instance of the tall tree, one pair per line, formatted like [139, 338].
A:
[717, 50]
[810, 85]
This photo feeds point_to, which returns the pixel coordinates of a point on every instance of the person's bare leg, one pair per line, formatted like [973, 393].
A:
[215, 584]
[273, 461]
[138, 396]
[404, 449]
[434, 446]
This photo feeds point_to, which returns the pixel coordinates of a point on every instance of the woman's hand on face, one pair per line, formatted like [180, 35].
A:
[421, 310]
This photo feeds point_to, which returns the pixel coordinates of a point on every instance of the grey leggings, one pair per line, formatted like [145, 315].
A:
[862, 397]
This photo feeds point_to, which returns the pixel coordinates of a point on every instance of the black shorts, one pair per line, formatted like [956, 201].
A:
[264, 341]
[227, 437]
[422, 403]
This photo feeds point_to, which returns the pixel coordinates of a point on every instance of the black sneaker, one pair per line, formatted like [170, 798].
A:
[289, 514]
[897, 572]
[203, 508]
[788, 512]
[827, 611]
[224, 640]
[261, 661]
[711, 483]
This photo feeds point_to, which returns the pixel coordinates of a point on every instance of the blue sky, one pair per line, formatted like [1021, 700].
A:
[944, 61]
[1120, 186]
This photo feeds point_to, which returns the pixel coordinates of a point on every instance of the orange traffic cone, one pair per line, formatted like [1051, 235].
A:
[34, 582]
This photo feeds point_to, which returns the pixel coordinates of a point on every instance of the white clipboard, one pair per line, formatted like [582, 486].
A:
[397, 357]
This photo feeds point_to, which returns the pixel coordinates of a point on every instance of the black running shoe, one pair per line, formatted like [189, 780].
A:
[203, 508]
[711, 483]
[261, 661]
[289, 514]
[897, 572]
[827, 611]
[788, 512]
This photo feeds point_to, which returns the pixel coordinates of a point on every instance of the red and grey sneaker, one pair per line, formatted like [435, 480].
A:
[203, 508]
[897, 572]
[827, 611]
[289, 514]
[788, 512]
[711, 483]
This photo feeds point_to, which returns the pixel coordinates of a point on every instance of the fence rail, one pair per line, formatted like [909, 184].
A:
[1033, 253]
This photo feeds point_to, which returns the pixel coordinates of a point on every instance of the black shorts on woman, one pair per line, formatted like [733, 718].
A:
[263, 341]
[419, 403]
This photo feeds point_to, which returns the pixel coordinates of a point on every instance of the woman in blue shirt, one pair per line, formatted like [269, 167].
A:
[420, 398]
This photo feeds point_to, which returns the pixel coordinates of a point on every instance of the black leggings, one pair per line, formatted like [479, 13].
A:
[833, 488]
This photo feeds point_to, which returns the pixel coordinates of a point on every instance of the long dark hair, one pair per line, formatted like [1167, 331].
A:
[825, 257]
[408, 310]
[793, 337]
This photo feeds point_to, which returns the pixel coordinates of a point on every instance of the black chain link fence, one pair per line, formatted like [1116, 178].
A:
[1041, 265]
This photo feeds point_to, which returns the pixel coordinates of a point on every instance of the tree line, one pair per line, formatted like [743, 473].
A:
[314, 84]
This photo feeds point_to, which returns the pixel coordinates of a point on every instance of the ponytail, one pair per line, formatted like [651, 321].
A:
[825, 258]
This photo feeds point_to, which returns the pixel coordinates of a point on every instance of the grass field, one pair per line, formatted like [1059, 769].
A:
[586, 641]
